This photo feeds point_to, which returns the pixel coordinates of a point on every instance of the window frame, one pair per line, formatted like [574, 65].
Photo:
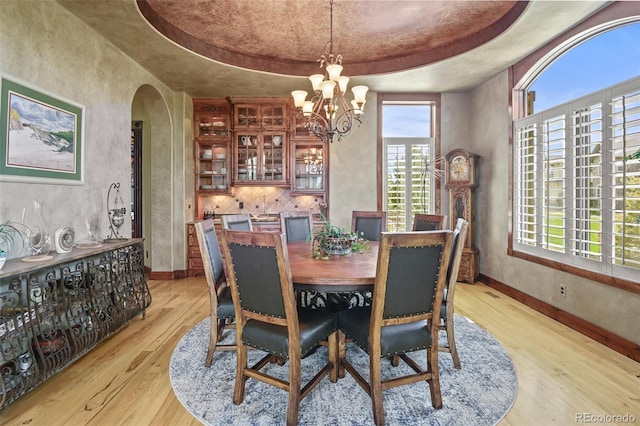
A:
[407, 98]
[606, 271]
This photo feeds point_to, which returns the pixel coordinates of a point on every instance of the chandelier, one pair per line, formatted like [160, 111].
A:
[328, 113]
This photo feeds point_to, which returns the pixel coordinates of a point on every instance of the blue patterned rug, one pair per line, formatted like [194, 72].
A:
[481, 393]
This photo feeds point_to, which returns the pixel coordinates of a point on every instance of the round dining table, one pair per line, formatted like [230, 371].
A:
[339, 273]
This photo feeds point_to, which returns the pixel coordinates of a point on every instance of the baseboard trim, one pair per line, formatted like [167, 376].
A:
[165, 275]
[613, 341]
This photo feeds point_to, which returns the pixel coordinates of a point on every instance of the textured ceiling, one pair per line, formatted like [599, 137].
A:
[288, 36]
[389, 45]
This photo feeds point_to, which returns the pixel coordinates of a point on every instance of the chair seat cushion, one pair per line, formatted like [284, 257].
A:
[315, 326]
[394, 339]
[225, 304]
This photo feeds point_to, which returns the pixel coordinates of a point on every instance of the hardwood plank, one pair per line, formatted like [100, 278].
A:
[125, 380]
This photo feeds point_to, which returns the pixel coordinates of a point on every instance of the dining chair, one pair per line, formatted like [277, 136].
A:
[221, 304]
[297, 225]
[429, 222]
[369, 224]
[404, 313]
[268, 319]
[240, 222]
[447, 309]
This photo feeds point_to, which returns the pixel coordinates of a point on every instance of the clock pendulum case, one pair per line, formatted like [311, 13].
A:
[460, 179]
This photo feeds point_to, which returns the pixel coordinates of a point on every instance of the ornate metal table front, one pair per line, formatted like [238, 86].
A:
[53, 312]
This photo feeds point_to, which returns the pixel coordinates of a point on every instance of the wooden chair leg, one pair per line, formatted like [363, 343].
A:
[294, 392]
[451, 341]
[213, 341]
[434, 380]
[342, 352]
[376, 391]
[394, 360]
[334, 356]
[241, 378]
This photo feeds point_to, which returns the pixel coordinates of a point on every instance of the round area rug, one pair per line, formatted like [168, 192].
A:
[481, 393]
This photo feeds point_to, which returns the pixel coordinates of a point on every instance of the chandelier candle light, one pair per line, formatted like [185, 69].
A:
[328, 113]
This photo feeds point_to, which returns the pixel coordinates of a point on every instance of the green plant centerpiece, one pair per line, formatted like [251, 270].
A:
[333, 240]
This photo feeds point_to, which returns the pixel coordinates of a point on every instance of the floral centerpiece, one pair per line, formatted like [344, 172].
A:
[333, 240]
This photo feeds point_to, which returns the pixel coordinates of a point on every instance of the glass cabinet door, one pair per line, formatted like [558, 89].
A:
[211, 119]
[272, 116]
[308, 167]
[274, 157]
[260, 157]
[247, 116]
[212, 172]
[248, 160]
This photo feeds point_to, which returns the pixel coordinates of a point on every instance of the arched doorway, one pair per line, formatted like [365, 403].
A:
[150, 110]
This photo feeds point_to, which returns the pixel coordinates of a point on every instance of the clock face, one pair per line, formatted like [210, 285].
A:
[459, 170]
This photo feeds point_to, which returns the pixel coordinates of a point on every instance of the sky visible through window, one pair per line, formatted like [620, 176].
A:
[400, 121]
[595, 64]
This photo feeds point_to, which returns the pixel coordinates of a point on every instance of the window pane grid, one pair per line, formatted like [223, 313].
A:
[409, 183]
[577, 182]
[553, 184]
[526, 185]
[396, 188]
[625, 177]
[586, 241]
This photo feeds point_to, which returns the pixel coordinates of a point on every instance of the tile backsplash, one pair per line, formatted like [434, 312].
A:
[261, 200]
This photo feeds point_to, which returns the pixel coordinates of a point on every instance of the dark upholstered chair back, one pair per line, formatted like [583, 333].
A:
[297, 226]
[429, 222]
[369, 225]
[213, 250]
[221, 306]
[459, 235]
[238, 222]
[411, 280]
[258, 278]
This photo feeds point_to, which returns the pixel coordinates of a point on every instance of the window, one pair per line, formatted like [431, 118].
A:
[577, 182]
[409, 161]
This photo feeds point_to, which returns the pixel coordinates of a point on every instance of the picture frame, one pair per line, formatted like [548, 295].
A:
[41, 136]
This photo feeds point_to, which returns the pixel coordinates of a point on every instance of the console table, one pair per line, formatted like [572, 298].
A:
[54, 311]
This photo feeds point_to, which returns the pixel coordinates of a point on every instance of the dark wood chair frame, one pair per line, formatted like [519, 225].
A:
[297, 346]
[369, 216]
[219, 292]
[381, 318]
[447, 309]
[429, 222]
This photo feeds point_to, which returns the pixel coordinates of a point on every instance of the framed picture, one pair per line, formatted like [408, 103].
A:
[41, 138]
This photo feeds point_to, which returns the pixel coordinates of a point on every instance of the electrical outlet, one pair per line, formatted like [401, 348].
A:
[563, 290]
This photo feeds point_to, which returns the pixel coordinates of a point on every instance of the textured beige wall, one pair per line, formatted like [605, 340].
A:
[47, 47]
[352, 164]
[605, 306]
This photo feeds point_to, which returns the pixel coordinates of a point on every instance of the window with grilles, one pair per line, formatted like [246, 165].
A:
[577, 182]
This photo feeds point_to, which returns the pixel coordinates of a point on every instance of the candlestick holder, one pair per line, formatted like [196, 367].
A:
[116, 212]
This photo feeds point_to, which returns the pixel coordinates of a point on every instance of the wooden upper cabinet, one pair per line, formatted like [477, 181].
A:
[261, 115]
[211, 119]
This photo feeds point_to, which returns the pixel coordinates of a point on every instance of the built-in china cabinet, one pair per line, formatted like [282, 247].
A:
[253, 143]
[260, 142]
[212, 119]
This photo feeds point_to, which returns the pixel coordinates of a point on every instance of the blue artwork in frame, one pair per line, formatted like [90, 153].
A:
[41, 138]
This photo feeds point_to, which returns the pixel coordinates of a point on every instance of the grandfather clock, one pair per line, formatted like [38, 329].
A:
[460, 178]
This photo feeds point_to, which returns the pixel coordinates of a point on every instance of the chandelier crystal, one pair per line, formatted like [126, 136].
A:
[328, 113]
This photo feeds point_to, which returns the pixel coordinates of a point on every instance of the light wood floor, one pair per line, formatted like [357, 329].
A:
[125, 380]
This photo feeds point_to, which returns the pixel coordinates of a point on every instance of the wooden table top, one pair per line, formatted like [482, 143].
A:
[353, 272]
